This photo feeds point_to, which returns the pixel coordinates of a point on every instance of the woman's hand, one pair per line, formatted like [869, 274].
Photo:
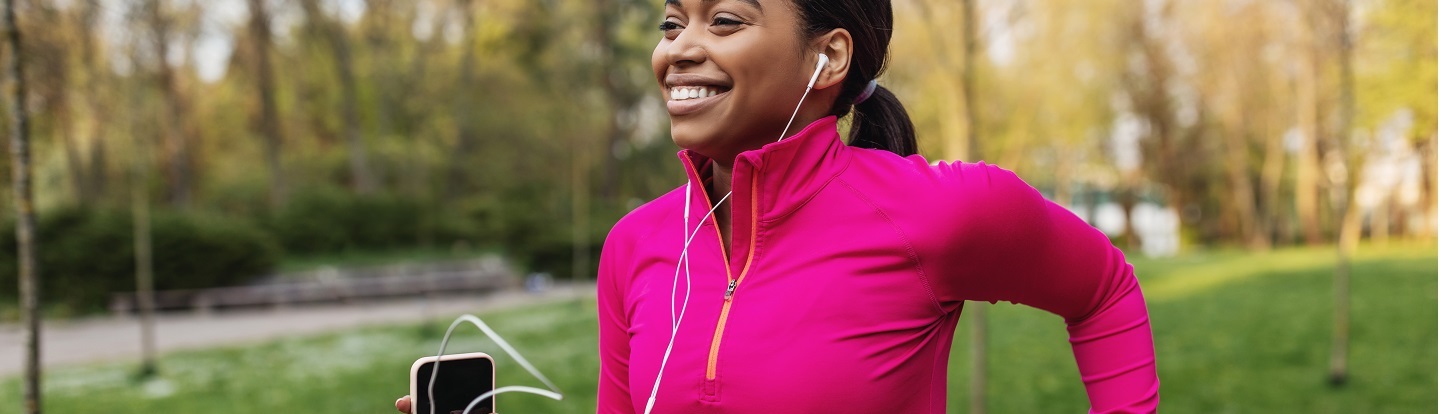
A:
[403, 404]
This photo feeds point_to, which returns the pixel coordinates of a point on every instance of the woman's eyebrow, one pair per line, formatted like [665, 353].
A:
[676, 3]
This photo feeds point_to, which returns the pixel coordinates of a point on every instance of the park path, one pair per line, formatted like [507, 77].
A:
[117, 339]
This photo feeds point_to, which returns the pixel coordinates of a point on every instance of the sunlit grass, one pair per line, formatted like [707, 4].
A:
[1236, 332]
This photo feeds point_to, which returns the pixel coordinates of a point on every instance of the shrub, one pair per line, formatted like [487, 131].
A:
[332, 221]
[87, 254]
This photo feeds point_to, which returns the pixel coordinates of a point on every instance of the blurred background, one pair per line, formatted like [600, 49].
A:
[291, 156]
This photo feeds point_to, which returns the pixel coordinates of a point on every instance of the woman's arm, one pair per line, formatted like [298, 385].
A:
[613, 393]
[1012, 244]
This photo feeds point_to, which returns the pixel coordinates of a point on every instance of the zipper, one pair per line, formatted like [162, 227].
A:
[710, 365]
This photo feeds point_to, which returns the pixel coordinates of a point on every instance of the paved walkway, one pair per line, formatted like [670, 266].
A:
[108, 339]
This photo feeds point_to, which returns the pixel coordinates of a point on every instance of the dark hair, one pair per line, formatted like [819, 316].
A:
[879, 122]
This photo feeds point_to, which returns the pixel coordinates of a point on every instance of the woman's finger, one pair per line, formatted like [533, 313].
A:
[403, 404]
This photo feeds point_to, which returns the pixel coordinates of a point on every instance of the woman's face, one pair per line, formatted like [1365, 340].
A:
[731, 72]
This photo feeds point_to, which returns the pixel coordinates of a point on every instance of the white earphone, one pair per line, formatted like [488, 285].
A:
[819, 66]
[683, 260]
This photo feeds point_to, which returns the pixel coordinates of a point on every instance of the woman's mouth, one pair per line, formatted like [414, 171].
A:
[680, 93]
[686, 100]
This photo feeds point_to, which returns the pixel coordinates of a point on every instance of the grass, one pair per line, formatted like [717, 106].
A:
[1235, 333]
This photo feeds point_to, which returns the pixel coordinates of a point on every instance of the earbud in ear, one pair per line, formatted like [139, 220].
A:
[819, 66]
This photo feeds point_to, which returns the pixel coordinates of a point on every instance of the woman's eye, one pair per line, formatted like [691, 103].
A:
[667, 25]
[722, 21]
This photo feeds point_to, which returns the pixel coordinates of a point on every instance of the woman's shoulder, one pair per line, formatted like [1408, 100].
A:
[966, 178]
[647, 217]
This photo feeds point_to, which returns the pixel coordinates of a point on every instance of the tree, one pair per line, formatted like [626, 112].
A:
[29, 274]
[361, 177]
[178, 139]
[1343, 159]
[269, 120]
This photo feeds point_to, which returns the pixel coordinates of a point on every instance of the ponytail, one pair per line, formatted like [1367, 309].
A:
[879, 120]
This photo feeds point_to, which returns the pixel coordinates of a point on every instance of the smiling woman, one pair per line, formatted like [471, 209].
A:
[835, 282]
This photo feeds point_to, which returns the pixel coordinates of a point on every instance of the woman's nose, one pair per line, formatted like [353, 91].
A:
[686, 48]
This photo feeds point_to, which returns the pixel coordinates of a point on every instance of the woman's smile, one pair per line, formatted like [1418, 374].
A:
[693, 93]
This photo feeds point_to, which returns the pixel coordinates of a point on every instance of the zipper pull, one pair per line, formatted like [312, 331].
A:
[730, 290]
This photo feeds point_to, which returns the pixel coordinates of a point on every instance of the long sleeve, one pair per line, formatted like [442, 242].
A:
[1008, 243]
[613, 393]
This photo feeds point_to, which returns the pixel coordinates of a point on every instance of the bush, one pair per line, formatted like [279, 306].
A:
[332, 221]
[87, 254]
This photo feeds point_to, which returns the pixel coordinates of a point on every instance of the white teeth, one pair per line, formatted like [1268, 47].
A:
[692, 92]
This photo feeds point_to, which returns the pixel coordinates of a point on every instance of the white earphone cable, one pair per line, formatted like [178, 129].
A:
[552, 393]
[684, 260]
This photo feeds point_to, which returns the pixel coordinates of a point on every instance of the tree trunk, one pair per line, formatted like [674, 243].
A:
[966, 112]
[75, 165]
[269, 122]
[615, 133]
[144, 275]
[29, 272]
[1307, 163]
[177, 145]
[979, 368]
[1242, 191]
[1349, 234]
[1271, 200]
[466, 136]
[1426, 149]
[362, 178]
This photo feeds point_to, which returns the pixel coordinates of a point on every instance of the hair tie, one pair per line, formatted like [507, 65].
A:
[869, 90]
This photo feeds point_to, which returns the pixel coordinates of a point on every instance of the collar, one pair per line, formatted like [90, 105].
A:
[779, 177]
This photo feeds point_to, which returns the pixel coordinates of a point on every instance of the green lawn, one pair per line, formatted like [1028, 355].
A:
[1235, 332]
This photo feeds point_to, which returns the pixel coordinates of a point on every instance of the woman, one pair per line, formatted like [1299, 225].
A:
[825, 277]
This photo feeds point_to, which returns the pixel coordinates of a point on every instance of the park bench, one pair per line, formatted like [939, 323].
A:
[331, 285]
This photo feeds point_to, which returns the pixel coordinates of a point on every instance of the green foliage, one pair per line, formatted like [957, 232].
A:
[323, 221]
[1233, 332]
[87, 254]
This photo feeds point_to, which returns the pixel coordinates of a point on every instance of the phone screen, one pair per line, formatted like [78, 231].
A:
[459, 382]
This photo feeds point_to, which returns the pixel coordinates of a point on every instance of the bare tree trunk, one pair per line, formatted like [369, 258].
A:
[98, 111]
[1426, 149]
[75, 165]
[25, 216]
[144, 275]
[1380, 220]
[177, 145]
[363, 181]
[1242, 191]
[1340, 330]
[614, 132]
[579, 213]
[966, 112]
[1270, 179]
[466, 136]
[979, 367]
[269, 122]
[1307, 167]
[1349, 235]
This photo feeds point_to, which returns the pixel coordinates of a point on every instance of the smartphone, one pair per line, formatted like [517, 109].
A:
[462, 377]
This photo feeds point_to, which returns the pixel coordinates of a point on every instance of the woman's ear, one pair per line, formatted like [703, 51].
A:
[837, 45]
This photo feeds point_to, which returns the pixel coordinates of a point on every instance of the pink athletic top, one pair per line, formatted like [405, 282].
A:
[847, 271]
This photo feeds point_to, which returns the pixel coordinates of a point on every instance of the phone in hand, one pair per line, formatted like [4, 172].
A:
[462, 377]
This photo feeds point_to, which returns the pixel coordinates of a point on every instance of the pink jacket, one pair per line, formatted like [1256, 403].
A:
[848, 269]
